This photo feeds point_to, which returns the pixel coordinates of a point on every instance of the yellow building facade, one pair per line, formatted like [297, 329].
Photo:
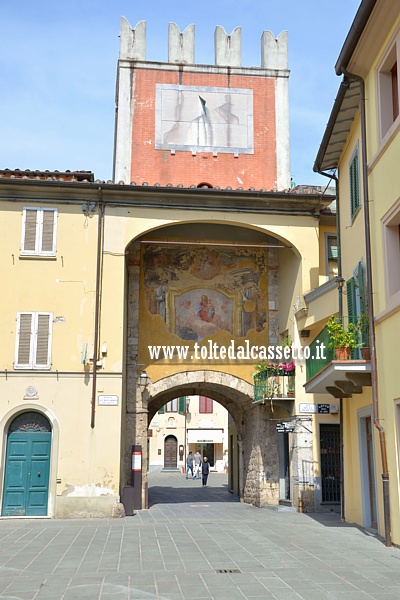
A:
[80, 259]
[361, 147]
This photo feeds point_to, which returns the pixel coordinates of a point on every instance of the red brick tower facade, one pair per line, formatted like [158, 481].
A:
[184, 124]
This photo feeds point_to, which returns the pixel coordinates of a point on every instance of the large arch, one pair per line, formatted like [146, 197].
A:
[255, 424]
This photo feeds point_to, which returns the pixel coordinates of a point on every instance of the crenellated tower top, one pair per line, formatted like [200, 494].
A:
[227, 48]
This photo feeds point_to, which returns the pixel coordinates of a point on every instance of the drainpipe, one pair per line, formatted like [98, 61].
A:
[97, 306]
[340, 311]
[368, 261]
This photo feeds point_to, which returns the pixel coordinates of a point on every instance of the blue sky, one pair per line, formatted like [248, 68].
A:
[58, 69]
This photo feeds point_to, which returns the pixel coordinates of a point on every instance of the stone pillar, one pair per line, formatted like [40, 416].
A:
[261, 457]
[303, 482]
[136, 413]
[180, 45]
[228, 48]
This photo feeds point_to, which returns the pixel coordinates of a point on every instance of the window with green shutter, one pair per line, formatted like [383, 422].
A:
[355, 202]
[182, 405]
[363, 304]
[352, 308]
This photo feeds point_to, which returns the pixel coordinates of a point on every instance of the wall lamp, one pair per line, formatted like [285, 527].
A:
[143, 380]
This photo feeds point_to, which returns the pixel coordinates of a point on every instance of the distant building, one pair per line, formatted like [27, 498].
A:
[184, 424]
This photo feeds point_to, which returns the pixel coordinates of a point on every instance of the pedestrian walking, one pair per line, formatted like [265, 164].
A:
[189, 464]
[205, 469]
[197, 464]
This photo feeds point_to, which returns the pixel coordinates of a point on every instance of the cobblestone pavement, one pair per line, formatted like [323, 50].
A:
[195, 543]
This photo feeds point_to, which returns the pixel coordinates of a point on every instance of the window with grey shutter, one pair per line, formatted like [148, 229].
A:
[33, 340]
[39, 231]
[24, 333]
[31, 223]
[47, 242]
[42, 357]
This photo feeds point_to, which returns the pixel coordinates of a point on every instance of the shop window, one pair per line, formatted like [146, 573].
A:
[39, 231]
[33, 345]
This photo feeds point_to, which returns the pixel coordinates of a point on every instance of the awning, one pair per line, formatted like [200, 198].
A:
[205, 436]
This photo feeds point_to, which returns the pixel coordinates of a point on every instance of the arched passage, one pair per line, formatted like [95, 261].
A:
[256, 436]
[237, 268]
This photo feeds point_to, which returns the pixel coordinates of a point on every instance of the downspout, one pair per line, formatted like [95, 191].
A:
[368, 261]
[340, 311]
[97, 306]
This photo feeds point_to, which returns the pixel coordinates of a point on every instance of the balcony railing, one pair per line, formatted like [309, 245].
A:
[273, 384]
[316, 363]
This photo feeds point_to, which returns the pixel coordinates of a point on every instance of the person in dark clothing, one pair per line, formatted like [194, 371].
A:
[189, 464]
[205, 469]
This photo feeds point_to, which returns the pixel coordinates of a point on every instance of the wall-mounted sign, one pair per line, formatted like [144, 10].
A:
[286, 426]
[107, 400]
[324, 409]
[307, 408]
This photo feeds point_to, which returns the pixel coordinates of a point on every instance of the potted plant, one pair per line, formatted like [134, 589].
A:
[341, 339]
[363, 328]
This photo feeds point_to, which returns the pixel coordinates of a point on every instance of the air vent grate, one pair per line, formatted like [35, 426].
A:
[227, 570]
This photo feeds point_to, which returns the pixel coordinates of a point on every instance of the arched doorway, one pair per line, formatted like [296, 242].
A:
[170, 452]
[27, 467]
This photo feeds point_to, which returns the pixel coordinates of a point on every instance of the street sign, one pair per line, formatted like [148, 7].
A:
[286, 426]
[307, 408]
[107, 400]
[324, 409]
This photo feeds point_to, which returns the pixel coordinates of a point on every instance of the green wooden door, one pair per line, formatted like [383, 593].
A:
[26, 480]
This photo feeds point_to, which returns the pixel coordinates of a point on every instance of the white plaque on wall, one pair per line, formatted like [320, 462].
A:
[107, 400]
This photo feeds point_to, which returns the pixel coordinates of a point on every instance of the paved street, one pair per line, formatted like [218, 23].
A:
[195, 543]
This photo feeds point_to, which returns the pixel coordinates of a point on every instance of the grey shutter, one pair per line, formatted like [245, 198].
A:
[48, 231]
[42, 341]
[24, 339]
[30, 230]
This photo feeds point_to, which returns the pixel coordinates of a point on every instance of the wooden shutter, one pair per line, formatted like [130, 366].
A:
[205, 405]
[24, 340]
[30, 229]
[363, 302]
[48, 230]
[352, 309]
[354, 185]
[162, 410]
[182, 405]
[351, 300]
[43, 333]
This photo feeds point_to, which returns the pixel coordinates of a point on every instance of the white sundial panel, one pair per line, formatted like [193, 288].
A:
[207, 119]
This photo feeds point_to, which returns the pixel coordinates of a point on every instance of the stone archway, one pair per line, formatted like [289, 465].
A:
[257, 438]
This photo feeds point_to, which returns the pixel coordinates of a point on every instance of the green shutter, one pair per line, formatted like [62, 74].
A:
[354, 186]
[351, 300]
[362, 290]
[162, 410]
[182, 404]
[352, 308]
